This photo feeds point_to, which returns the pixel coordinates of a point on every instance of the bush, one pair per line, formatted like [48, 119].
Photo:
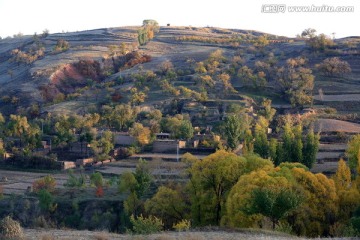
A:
[143, 225]
[183, 225]
[47, 183]
[10, 229]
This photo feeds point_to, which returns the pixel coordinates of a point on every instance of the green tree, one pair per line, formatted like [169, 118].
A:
[261, 144]
[272, 204]
[103, 146]
[96, 179]
[18, 126]
[352, 151]
[311, 147]
[167, 204]
[186, 130]
[235, 129]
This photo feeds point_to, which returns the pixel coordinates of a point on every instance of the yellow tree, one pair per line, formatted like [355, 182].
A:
[342, 177]
[211, 180]
[315, 215]
[140, 133]
[347, 192]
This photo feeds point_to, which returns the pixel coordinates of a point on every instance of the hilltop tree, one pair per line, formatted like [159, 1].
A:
[147, 31]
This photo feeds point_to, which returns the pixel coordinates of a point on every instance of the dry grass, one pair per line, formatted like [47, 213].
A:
[332, 125]
[339, 98]
[32, 234]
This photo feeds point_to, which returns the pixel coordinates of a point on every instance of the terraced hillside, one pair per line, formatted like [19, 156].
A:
[101, 65]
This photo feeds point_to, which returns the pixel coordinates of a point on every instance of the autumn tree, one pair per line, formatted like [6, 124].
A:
[211, 180]
[320, 42]
[140, 133]
[137, 96]
[334, 66]
[147, 31]
[296, 81]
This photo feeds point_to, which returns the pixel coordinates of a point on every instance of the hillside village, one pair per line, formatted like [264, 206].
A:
[107, 108]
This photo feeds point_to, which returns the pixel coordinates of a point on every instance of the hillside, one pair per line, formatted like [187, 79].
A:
[80, 72]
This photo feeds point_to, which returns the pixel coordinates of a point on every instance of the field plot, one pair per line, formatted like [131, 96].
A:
[332, 125]
[18, 182]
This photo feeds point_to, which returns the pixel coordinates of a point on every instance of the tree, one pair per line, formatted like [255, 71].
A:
[137, 96]
[211, 180]
[242, 209]
[47, 183]
[124, 114]
[272, 204]
[140, 133]
[308, 33]
[352, 151]
[334, 66]
[18, 126]
[186, 130]
[319, 42]
[103, 146]
[261, 145]
[267, 111]
[310, 148]
[234, 130]
[167, 204]
[296, 81]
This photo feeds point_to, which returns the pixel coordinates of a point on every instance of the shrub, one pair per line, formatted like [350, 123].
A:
[183, 225]
[143, 225]
[10, 229]
[47, 183]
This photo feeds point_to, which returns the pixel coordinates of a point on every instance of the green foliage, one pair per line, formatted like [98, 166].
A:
[145, 225]
[235, 128]
[353, 151]
[143, 177]
[46, 201]
[96, 179]
[167, 204]
[10, 229]
[272, 204]
[74, 181]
